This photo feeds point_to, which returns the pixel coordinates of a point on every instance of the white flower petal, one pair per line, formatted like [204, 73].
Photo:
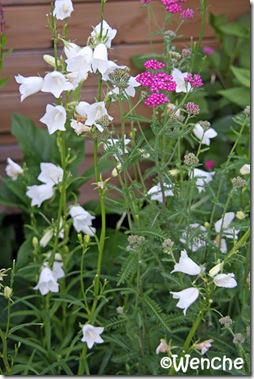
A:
[62, 9]
[40, 193]
[13, 170]
[186, 265]
[54, 118]
[50, 173]
[47, 282]
[225, 280]
[29, 85]
[186, 298]
[91, 335]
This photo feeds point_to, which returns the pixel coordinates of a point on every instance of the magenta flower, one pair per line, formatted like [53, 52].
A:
[192, 108]
[156, 99]
[208, 50]
[209, 164]
[187, 14]
[154, 64]
[195, 80]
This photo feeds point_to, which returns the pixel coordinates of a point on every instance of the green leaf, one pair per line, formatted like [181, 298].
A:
[139, 60]
[236, 30]
[25, 255]
[244, 57]
[2, 40]
[237, 95]
[12, 193]
[242, 75]
[3, 81]
[35, 142]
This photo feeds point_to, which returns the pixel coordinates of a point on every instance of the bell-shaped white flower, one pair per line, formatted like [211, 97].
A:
[186, 298]
[225, 280]
[54, 118]
[108, 34]
[91, 335]
[245, 169]
[100, 58]
[55, 82]
[71, 49]
[195, 237]
[29, 85]
[155, 192]
[223, 227]
[79, 127]
[13, 170]
[204, 135]
[57, 270]
[186, 265]
[50, 173]
[203, 346]
[40, 193]
[93, 113]
[82, 220]
[163, 347]
[202, 178]
[181, 84]
[47, 282]
[117, 143]
[62, 9]
[81, 62]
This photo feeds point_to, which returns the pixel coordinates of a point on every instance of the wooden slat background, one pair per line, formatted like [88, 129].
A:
[28, 34]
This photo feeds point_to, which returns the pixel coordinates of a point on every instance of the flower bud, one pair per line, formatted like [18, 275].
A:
[35, 242]
[216, 269]
[7, 292]
[240, 215]
[50, 60]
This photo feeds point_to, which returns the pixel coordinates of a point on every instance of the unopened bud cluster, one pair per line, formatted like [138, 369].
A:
[247, 110]
[238, 338]
[186, 53]
[225, 321]
[238, 182]
[205, 125]
[169, 35]
[103, 121]
[167, 245]
[134, 242]
[174, 56]
[120, 77]
[190, 159]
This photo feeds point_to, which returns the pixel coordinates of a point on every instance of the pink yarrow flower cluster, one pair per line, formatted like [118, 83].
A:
[175, 6]
[187, 14]
[195, 80]
[156, 99]
[156, 82]
[154, 64]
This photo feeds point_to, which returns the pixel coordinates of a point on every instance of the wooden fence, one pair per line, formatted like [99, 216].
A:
[30, 38]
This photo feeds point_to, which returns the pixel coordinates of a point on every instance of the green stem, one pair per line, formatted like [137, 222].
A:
[222, 176]
[188, 339]
[62, 202]
[201, 33]
[5, 350]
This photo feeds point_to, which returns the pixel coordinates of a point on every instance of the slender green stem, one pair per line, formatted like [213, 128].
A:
[201, 33]
[188, 339]
[222, 176]
[5, 351]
